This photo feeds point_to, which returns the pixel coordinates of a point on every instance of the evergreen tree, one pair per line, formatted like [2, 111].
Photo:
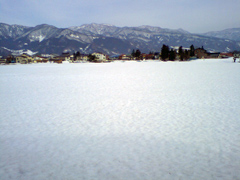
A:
[78, 54]
[192, 49]
[91, 57]
[186, 55]
[180, 52]
[164, 52]
[172, 55]
[133, 53]
[74, 56]
[138, 54]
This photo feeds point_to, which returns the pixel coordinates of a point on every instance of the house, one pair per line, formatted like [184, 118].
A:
[66, 57]
[81, 58]
[124, 57]
[214, 55]
[11, 59]
[100, 56]
[225, 55]
[77, 58]
[24, 59]
[147, 56]
[201, 53]
[2, 60]
[84, 57]
[71, 58]
[57, 59]
[39, 59]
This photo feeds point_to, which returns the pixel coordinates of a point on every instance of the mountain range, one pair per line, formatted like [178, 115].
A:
[108, 39]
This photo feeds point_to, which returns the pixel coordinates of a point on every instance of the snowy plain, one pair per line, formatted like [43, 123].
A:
[132, 121]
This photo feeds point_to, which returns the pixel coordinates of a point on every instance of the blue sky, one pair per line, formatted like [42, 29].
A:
[192, 15]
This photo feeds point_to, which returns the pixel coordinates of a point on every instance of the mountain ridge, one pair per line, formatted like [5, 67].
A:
[105, 38]
[230, 33]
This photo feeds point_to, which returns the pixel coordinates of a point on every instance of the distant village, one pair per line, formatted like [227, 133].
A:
[166, 54]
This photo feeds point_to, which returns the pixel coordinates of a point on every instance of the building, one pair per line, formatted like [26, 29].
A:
[100, 56]
[39, 59]
[201, 53]
[11, 59]
[24, 59]
[2, 60]
[84, 57]
[57, 59]
[214, 55]
[226, 55]
[66, 57]
[124, 57]
[147, 56]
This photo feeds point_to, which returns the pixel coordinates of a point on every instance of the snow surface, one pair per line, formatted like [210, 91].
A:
[41, 38]
[149, 120]
[21, 51]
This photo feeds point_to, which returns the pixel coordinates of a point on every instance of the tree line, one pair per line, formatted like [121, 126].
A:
[166, 54]
[169, 54]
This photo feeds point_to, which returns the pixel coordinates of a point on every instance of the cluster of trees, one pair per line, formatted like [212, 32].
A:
[169, 54]
[92, 58]
[75, 55]
[136, 54]
[172, 54]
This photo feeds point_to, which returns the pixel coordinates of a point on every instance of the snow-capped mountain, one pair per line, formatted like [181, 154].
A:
[149, 38]
[104, 38]
[232, 34]
[12, 31]
[42, 38]
[100, 29]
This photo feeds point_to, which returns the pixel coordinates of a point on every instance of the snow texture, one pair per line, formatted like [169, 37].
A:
[21, 51]
[131, 121]
[41, 38]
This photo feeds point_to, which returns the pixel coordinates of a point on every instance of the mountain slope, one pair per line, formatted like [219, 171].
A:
[148, 38]
[231, 34]
[43, 38]
[12, 31]
[104, 38]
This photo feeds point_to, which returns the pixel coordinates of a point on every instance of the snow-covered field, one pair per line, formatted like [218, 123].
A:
[126, 121]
